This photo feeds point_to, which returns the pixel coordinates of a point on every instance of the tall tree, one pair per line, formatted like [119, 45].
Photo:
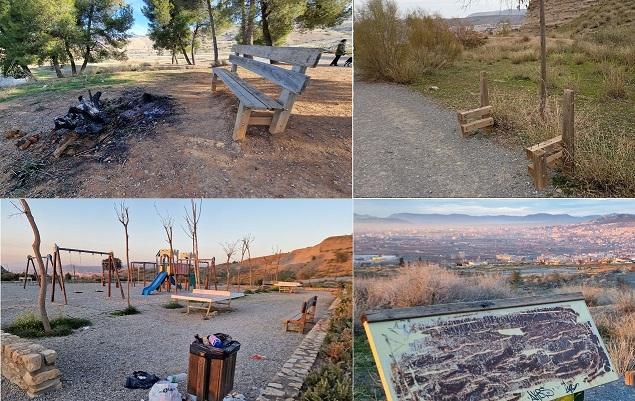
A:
[324, 13]
[124, 219]
[168, 224]
[229, 248]
[40, 265]
[192, 218]
[247, 240]
[104, 24]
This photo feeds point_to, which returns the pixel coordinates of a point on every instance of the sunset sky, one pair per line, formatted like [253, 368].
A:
[92, 224]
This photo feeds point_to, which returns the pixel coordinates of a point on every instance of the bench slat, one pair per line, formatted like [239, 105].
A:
[250, 96]
[291, 80]
[303, 56]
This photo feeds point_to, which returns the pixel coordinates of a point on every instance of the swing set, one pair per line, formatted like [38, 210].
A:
[30, 262]
[59, 276]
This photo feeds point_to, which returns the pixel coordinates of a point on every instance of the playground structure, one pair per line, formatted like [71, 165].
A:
[59, 276]
[557, 150]
[175, 268]
[29, 261]
[481, 117]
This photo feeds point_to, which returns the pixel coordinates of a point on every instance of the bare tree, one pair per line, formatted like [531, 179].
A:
[230, 249]
[124, 219]
[40, 264]
[168, 223]
[192, 218]
[277, 254]
[246, 244]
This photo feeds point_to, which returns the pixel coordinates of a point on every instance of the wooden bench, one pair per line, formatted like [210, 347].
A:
[223, 299]
[287, 286]
[218, 293]
[257, 108]
[305, 317]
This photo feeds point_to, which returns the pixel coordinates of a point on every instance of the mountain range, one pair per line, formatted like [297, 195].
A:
[404, 220]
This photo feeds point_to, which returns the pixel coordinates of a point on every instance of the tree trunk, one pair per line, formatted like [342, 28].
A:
[266, 34]
[56, 65]
[88, 28]
[228, 275]
[128, 263]
[28, 72]
[213, 27]
[187, 58]
[543, 60]
[70, 58]
[40, 264]
[194, 34]
[243, 23]
[250, 22]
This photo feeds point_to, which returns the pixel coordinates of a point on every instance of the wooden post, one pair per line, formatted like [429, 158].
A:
[242, 122]
[568, 130]
[484, 90]
[540, 168]
[110, 265]
[287, 99]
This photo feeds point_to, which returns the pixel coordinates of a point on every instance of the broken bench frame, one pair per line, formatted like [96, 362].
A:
[257, 108]
[560, 149]
[481, 117]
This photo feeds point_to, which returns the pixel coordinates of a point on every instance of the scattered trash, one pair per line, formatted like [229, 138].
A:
[220, 145]
[141, 379]
[234, 396]
[434, 88]
[218, 340]
[258, 357]
[85, 328]
[164, 391]
[181, 377]
[14, 133]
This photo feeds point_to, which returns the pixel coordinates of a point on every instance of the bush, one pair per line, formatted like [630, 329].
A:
[342, 257]
[173, 305]
[29, 325]
[515, 279]
[392, 48]
[614, 83]
[330, 383]
[470, 38]
[130, 310]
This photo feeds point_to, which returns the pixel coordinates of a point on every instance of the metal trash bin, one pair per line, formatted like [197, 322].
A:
[210, 375]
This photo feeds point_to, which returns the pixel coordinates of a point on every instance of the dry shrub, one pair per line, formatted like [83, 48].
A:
[426, 285]
[625, 302]
[615, 82]
[392, 48]
[618, 331]
[469, 37]
[524, 56]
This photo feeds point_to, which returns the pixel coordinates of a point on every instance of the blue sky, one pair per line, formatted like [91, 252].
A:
[479, 207]
[455, 8]
[140, 26]
[92, 224]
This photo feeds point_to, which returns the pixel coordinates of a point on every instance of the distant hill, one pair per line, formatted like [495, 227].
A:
[330, 258]
[409, 220]
[581, 16]
[492, 18]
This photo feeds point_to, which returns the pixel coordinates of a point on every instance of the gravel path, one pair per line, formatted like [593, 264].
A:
[408, 146]
[94, 363]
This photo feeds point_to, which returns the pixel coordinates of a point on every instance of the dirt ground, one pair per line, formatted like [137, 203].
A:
[193, 155]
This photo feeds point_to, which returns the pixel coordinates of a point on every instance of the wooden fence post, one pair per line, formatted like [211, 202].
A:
[539, 160]
[568, 130]
[484, 91]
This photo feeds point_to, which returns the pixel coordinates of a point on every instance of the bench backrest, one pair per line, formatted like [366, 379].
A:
[288, 284]
[211, 292]
[300, 56]
[293, 80]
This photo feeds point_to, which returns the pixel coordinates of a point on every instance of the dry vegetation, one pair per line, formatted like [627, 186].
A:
[391, 47]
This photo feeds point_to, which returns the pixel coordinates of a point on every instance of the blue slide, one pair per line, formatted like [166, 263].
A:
[158, 280]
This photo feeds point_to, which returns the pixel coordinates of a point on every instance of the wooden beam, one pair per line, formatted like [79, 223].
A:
[548, 146]
[539, 171]
[568, 130]
[485, 122]
[474, 113]
[301, 56]
[465, 307]
[288, 79]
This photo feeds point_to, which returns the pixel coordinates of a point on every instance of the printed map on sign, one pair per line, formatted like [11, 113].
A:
[522, 353]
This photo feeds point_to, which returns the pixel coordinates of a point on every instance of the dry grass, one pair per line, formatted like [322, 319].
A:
[618, 330]
[615, 82]
[390, 47]
[426, 285]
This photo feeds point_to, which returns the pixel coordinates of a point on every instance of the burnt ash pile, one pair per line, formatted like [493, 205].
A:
[94, 130]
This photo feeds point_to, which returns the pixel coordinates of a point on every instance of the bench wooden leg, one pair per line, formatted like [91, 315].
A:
[281, 117]
[242, 122]
[209, 308]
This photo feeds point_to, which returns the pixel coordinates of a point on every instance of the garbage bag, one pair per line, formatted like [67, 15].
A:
[141, 379]
[164, 391]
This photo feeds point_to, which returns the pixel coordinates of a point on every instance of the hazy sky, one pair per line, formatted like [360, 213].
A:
[92, 224]
[455, 8]
[516, 207]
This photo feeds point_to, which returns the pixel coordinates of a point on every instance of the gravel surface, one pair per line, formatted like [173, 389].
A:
[408, 146]
[95, 362]
[615, 391]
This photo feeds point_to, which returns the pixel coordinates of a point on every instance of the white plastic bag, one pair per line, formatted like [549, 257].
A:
[164, 391]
